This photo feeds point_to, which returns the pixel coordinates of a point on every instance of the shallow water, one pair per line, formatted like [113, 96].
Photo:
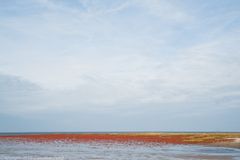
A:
[12, 150]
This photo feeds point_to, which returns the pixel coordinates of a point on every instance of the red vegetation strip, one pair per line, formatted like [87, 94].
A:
[145, 138]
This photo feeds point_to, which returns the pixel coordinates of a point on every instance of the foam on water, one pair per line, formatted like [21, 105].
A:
[12, 150]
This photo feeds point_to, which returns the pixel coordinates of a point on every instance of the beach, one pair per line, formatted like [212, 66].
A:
[120, 146]
[209, 139]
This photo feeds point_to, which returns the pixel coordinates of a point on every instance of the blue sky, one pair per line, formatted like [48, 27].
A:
[123, 65]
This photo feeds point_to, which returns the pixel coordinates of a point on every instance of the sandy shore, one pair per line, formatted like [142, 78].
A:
[214, 139]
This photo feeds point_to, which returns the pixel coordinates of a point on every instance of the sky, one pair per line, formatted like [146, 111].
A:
[122, 65]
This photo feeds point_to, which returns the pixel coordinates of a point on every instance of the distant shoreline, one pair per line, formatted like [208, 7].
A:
[120, 132]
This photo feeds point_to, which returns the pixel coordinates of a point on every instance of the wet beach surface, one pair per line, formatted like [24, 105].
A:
[60, 150]
[120, 146]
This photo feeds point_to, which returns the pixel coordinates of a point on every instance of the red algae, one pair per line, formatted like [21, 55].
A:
[168, 138]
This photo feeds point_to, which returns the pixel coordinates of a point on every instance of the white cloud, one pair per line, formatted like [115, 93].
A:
[82, 58]
[166, 10]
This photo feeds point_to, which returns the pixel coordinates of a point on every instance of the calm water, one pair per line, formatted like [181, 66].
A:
[11, 150]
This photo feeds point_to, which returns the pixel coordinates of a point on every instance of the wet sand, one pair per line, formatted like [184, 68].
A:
[205, 157]
[214, 139]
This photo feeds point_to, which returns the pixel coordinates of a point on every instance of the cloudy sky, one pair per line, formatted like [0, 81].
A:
[119, 65]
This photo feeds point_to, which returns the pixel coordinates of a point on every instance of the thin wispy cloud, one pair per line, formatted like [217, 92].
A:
[119, 58]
